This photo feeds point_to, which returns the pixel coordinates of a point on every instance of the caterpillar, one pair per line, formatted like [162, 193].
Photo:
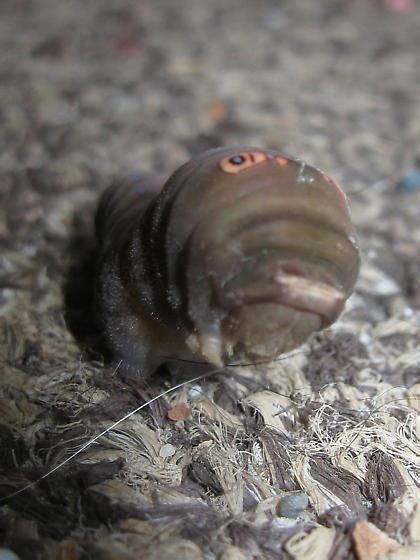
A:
[242, 254]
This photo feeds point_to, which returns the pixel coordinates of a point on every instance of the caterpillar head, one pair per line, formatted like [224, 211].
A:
[261, 252]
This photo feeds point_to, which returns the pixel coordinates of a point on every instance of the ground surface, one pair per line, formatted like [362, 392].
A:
[90, 90]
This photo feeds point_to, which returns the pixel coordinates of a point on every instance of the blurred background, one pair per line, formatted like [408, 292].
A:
[99, 88]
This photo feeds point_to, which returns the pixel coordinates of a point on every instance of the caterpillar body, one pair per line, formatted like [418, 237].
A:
[242, 254]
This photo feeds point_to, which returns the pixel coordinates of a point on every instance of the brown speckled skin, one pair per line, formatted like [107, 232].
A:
[220, 265]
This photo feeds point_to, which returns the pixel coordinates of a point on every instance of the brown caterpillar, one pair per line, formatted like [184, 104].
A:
[242, 254]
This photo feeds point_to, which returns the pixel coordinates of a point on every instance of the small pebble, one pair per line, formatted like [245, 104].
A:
[178, 412]
[167, 450]
[410, 182]
[195, 391]
[292, 505]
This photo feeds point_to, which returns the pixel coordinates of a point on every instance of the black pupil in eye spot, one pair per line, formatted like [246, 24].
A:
[237, 160]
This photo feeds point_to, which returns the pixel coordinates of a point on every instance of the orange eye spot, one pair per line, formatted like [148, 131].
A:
[241, 161]
[281, 161]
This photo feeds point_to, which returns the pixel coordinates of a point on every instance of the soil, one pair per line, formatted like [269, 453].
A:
[312, 456]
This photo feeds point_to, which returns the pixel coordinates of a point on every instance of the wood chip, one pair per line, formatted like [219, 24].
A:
[370, 543]
[216, 111]
[179, 412]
